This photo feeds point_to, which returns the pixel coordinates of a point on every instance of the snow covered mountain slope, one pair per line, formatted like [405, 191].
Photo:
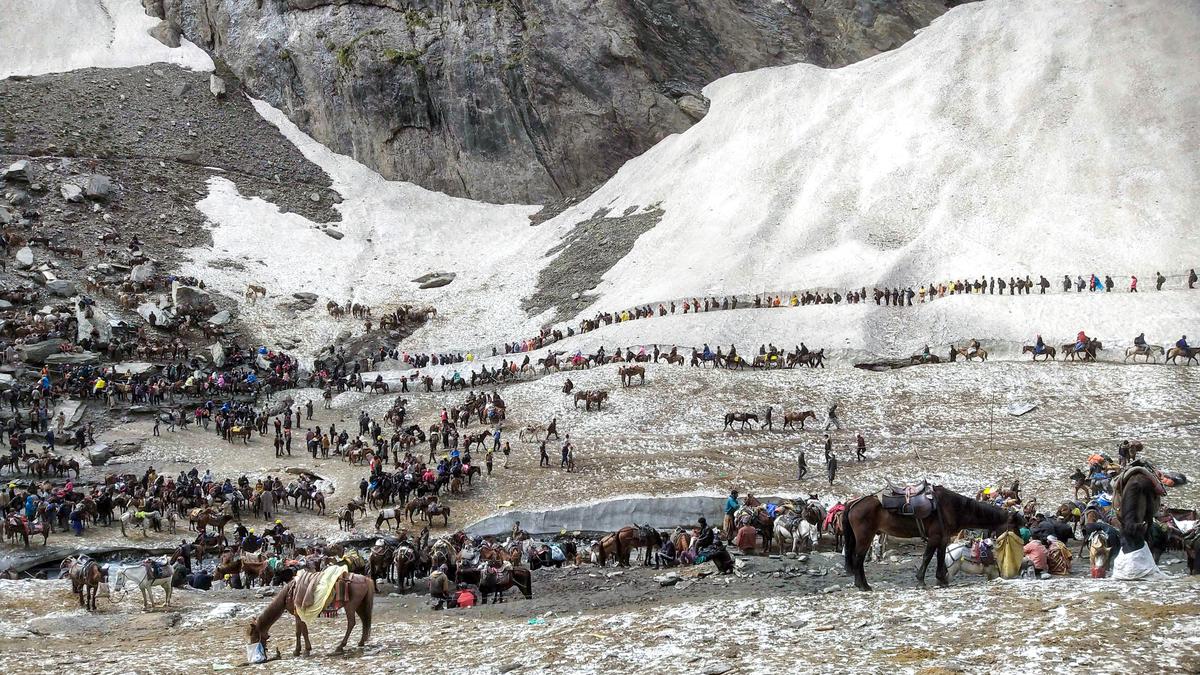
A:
[1011, 136]
[39, 37]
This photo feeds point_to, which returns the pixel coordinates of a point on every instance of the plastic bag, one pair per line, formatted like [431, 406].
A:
[256, 653]
[1137, 566]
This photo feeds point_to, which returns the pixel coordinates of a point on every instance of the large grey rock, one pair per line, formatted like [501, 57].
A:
[437, 280]
[25, 257]
[149, 309]
[20, 170]
[99, 454]
[37, 352]
[165, 32]
[141, 273]
[6, 216]
[217, 86]
[532, 116]
[73, 359]
[61, 287]
[134, 367]
[218, 355]
[192, 300]
[336, 234]
[99, 187]
[220, 318]
[71, 192]
[98, 321]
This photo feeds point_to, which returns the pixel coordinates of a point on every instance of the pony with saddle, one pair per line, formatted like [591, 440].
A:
[930, 512]
[312, 594]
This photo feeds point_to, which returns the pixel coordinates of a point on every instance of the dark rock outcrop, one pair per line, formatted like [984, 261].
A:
[518, 100]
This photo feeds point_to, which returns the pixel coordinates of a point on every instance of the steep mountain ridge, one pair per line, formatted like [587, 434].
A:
[517, 101]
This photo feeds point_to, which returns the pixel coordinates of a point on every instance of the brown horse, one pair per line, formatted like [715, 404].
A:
[1088, 353]
[495, 585]
[85, 576]
[1047, 351]
[628, 538]
[627, 374]
[358, 592]
[1189, 355]
[597, 396]
[979, 353]
[434, 510]
[1140, 495]
[790, 419]
[865, 516]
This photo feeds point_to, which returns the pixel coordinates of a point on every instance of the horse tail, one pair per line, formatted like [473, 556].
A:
[849, 539]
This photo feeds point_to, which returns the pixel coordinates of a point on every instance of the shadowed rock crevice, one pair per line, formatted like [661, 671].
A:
[584, 255]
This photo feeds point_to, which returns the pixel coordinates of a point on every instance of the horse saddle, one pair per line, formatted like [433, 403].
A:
[909, 500]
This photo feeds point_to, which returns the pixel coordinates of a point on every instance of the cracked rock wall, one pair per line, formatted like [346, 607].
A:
[518, 100]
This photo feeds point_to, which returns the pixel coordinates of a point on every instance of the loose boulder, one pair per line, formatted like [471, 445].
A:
[71, 192]
[20, 170]
[192, 300]
[73, 359]
[217, 86]
[218, 355]
[220, 318]
[37, 352]
[141, 273]
[25, 257]
[61, 287]
[435, 279]
[99, 187]
[166, 33]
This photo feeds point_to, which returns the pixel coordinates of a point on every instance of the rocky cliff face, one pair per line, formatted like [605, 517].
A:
[518, 100]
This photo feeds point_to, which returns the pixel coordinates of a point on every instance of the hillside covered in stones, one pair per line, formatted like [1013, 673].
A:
[517, 101]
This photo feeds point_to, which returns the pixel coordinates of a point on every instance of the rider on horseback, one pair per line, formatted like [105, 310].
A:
[1040, 346]
[973, 347]
[1183, 344]
[1081, 341]
[1139, 342]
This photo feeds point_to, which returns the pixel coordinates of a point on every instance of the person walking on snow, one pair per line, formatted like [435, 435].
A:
[832, 418]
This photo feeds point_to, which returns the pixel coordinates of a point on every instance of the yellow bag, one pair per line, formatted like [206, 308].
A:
[1009, 551]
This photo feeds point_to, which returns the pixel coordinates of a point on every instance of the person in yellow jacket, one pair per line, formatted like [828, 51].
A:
[795, 301]
[99, 386]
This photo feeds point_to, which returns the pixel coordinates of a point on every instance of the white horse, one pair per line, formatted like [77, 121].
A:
[1151, 352]
[800, 530]
[140, 577]
[958, 557]
[130, 518]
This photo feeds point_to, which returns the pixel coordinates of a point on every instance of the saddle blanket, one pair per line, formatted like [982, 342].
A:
[314, 590]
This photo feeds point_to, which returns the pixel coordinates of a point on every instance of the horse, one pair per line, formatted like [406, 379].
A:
[141, 577]
[979, 353]
[1151, 352]
[359, 601]
[1047, 351]
[1088, 353]
[1140, 496]
[346, 515]
[743, 417]
[794, 529]
[139, 520]
[495, 585]
[1099, 553]
[85, 575]
[864, 517]
[958, 558]
[242, 432]
[379, 385]
[433, 510]
[790, 418]
[627, 374]
[1190, 354]
[598, 397]
[388, 514]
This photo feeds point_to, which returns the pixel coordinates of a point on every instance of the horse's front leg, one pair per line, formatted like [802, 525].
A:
[296, 652]
[928, 555]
